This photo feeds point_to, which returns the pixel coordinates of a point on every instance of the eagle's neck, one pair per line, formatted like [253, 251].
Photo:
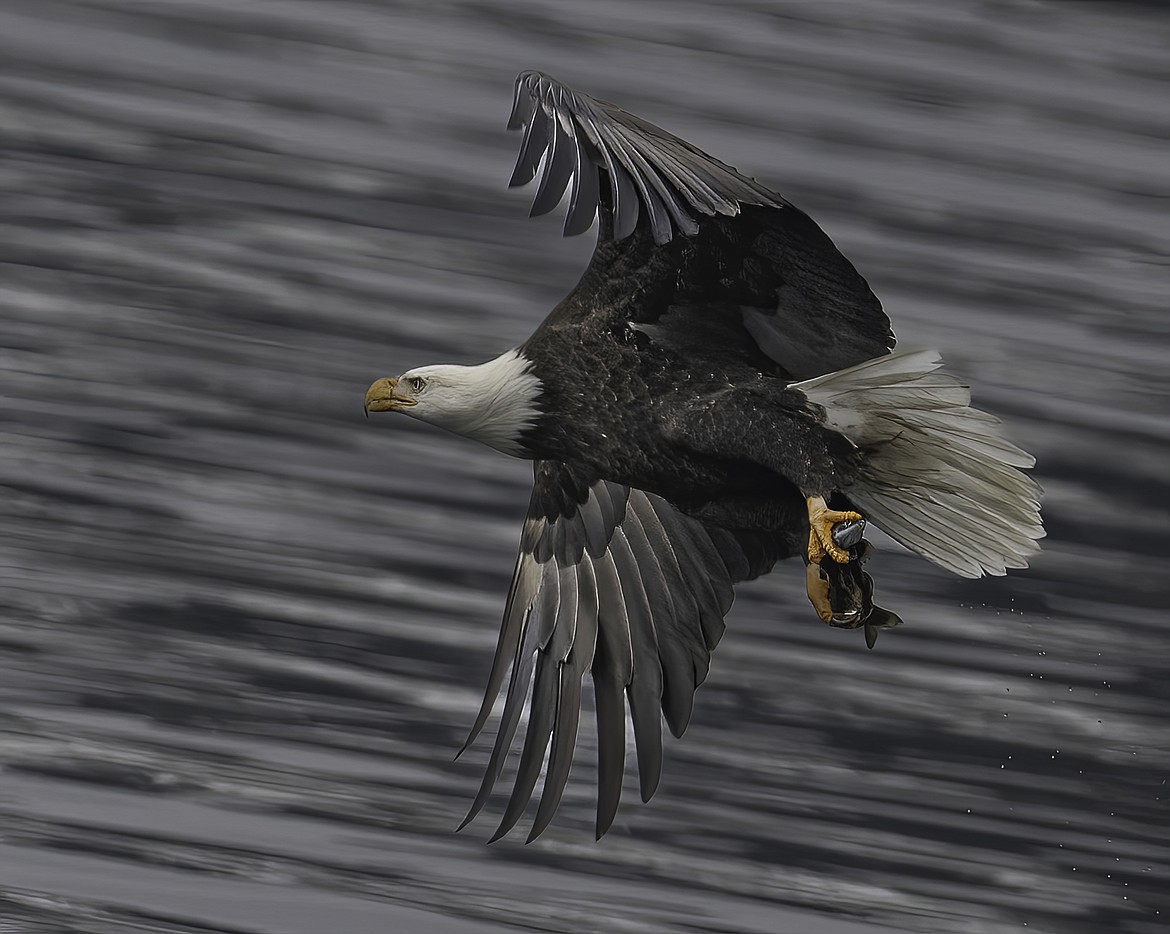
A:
[494, 403]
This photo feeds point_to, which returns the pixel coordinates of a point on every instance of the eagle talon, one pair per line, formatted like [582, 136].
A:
[821, 520]
[817, 587]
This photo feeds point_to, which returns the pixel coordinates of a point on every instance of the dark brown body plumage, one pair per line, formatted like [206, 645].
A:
[652, 379]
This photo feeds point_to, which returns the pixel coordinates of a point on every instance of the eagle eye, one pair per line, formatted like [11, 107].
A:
[417, 383]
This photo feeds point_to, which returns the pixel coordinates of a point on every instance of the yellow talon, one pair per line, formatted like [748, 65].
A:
[818, 592]
[821, 520]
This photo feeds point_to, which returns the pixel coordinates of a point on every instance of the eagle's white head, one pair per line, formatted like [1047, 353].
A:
[493, 403]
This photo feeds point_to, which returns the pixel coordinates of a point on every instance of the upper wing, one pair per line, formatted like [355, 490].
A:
[616, 582]
[681, 230]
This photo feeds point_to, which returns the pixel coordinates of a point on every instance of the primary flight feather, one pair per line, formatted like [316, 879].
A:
[716, 394]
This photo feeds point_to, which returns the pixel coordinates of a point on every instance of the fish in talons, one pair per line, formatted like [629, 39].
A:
[842, 593]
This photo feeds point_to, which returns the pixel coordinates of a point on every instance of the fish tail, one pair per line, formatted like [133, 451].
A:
[936, 474]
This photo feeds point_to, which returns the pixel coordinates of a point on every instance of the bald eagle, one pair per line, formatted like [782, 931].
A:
[718, 392]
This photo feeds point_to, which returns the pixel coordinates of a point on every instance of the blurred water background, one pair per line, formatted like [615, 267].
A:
[243, 630]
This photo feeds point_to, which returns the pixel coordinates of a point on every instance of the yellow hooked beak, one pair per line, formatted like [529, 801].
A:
[380, 397]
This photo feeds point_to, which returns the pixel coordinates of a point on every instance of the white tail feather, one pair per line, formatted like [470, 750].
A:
[937, 474]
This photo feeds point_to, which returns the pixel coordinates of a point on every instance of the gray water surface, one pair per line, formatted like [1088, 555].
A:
[243, 630]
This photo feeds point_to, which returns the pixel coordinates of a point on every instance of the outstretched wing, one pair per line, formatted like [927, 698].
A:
[680, 229]
[617, 583]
